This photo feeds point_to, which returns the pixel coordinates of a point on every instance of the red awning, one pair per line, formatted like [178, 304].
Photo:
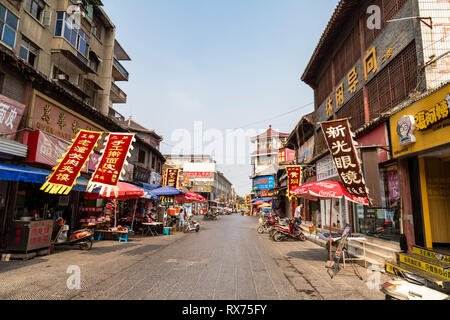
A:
[125, 191]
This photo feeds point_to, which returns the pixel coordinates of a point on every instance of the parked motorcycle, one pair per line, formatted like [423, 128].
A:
[82, 238]
[191, 225]
[283, 223]
[210, 216]
[292, 231]
[409, 286]
[267, 224]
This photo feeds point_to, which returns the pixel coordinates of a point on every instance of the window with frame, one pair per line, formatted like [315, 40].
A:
[8, 27]
[67, 28]
[35, 8]
[97, 28]
[141, 156]
[28, 52]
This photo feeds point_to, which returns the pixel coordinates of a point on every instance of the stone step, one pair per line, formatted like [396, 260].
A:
[381, 242]
[428, 265]
[388, 254]
[432, 281]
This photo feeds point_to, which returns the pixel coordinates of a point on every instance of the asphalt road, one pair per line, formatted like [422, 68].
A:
[226, 260]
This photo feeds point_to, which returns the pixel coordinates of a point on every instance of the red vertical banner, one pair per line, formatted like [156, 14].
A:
[348, 165]
[110, 166]
[294, 174]
[65, 174]
[171, 177]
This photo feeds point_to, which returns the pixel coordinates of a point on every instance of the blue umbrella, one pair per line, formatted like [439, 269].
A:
[167, 191]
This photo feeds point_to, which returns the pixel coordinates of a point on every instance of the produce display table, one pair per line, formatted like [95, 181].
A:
[123, 235]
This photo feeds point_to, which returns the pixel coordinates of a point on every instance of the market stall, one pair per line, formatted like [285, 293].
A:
[167, 197]
[104, 222]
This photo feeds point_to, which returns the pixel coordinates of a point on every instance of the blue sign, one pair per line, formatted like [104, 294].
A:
[264, 183]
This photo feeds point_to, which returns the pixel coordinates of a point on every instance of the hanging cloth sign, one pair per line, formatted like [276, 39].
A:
[111, 164]
[73, 161]
[294, 174]
[348, 165]
[171, 178]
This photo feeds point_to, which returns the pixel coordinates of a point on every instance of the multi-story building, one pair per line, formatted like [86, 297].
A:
[366, 67]
[266, 147]
[199, 174]
[59, 64]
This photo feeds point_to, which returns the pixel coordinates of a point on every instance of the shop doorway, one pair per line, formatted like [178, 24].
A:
[438, 193]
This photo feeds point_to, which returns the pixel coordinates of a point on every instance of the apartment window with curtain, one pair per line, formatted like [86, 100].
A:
[8, 27]
[67, 28]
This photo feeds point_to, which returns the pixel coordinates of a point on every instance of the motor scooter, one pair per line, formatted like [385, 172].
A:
[292, 231]
[266, 225]
[191, 225]
[409, 286]
[82, 238]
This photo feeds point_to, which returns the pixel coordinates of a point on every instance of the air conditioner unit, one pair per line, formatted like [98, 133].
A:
[62, 77]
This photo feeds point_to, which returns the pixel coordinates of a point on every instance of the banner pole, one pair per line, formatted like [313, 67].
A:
[331, 210]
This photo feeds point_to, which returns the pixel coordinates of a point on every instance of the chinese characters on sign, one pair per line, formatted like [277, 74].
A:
[171, 177]
[342, 148]
[198, 174]
[66, 173]
[11, 113]
[294, 174]
[286, 155]
[110, 166]
[425, 119]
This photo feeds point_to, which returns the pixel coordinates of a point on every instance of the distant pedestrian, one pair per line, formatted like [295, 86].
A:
[298, 214]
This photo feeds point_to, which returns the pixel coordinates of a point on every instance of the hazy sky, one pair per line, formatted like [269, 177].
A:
[226, 63]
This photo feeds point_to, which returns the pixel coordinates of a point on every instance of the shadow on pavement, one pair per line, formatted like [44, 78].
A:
[142, 250]
[104, 250]
[17, 264]
[316, 254]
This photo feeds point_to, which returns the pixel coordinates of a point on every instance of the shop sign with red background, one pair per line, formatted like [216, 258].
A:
[66, 173]
[171, 177]
[198, 174]
[110, 166]
[348, 165]
[11, 113]
[286, 155]
[294, 174]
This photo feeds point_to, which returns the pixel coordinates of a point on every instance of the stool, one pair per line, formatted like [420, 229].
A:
[124, 237]
[100, 236]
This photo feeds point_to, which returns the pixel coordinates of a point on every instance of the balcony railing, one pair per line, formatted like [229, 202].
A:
[121, 69]
[121, 96]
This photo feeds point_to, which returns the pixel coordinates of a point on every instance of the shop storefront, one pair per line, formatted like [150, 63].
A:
[383, 218]
[420, 137]
[326, 170]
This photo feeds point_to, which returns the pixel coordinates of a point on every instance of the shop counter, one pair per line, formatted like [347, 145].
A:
[30, 235]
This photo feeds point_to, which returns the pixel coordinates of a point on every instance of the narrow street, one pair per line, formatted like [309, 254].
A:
[226, 260]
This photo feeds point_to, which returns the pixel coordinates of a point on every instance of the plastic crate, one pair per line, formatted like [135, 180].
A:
[167, 231]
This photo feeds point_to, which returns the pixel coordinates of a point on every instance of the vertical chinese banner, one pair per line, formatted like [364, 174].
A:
[294, 174]
[110, 166]
[348, 165]
[171, 177]
[69, 168]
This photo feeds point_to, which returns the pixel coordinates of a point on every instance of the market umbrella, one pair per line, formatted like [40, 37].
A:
[167, 191]
[125, 191]
[327, 190]
[189, 197]
[258, 203]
